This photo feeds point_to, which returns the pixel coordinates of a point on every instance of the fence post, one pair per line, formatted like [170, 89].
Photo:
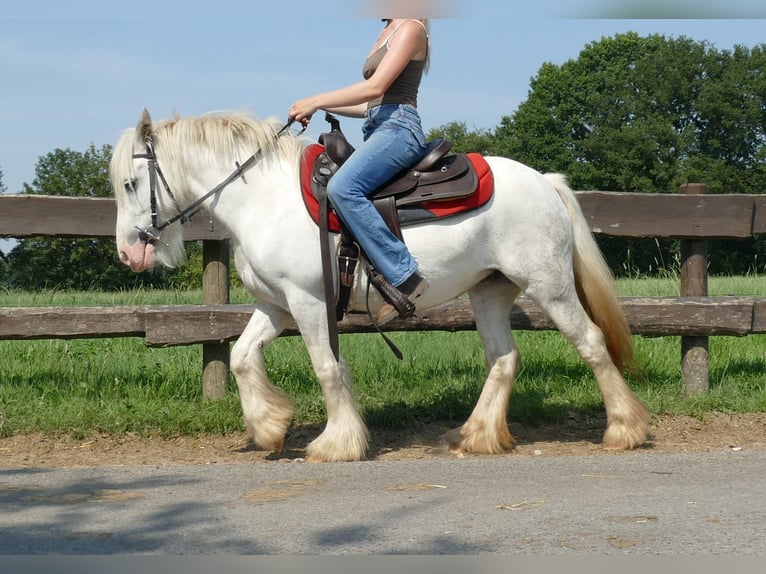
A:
[215, 291]
[695, 365]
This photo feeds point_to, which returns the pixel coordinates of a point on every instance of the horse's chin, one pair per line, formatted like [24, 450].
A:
[139, 257]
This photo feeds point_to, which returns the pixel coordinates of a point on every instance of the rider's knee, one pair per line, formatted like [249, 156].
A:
[339, 192]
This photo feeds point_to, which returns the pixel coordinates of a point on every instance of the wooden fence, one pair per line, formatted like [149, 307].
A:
[690, 216]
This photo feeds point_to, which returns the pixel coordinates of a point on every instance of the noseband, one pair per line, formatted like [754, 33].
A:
[153, 232]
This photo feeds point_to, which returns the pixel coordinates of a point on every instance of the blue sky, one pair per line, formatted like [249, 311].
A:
[79, 72]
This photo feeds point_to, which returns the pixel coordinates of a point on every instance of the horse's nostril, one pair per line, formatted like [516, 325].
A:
[124, 258]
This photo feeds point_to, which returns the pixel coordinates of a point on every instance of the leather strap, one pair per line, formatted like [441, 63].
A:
[387, 209]
[329, 288]
[348, 257]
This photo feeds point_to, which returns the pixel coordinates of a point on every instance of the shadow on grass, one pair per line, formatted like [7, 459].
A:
[739, 369]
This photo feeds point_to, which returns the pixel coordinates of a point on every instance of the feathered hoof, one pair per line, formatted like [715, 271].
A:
[270, 435]
[319, 453]
[273, 444]
[621, 436]
[461, 441]
[621, 439]
[328, 447]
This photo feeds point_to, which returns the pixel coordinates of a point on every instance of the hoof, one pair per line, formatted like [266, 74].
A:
[461, 441]
[454, 441]
[622, 437]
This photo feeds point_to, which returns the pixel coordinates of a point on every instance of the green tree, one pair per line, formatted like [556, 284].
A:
[463, 140]
[72, 263]
[646, 114]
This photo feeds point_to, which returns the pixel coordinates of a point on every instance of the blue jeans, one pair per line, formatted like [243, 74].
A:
[393, 141]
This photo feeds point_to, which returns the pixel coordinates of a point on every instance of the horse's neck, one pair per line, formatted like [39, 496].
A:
[267, 191]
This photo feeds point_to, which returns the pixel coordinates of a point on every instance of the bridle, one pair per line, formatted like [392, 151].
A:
[153, 232]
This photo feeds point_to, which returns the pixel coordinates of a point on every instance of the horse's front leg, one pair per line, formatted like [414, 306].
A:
[266, 410]
[345, 438]
[486, 430]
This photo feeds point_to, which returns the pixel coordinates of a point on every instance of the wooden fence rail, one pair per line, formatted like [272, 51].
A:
[176, 325]
[690, 216]
[608, 212]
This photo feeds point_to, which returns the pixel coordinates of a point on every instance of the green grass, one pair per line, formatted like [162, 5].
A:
[115, 386]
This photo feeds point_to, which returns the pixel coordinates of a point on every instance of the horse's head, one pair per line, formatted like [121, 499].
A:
[144, 201]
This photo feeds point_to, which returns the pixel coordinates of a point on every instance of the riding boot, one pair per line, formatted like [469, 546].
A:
[400, 302]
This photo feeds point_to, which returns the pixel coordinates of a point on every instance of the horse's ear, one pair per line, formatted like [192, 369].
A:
[144, 131]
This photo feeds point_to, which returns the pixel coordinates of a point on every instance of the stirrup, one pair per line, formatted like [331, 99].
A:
[392, 295]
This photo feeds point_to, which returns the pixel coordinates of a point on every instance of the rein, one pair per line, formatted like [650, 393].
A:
[153, 233]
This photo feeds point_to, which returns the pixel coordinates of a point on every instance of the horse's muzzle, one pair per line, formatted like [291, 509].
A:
[139, 256]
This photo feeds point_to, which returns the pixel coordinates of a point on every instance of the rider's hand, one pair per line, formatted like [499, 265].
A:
[302, 110]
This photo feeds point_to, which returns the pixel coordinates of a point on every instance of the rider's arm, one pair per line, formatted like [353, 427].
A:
[400, 51]
[356, 111]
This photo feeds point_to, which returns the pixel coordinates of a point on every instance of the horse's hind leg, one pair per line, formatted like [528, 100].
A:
[627, 418]
[486, 430]
[266, 410]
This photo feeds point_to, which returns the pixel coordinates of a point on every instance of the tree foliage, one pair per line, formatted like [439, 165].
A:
[646, 114]
[72, 263]
[464, 140]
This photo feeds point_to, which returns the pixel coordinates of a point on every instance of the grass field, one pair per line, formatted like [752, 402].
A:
[119, 385]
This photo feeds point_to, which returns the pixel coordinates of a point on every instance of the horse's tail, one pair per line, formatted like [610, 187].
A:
[594, 280]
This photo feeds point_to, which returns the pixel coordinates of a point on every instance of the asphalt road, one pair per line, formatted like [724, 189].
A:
[611, 504]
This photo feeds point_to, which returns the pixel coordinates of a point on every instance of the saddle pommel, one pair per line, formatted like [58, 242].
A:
[337, 146]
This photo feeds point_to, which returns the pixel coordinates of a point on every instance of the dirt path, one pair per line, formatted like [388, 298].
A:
[575, 437]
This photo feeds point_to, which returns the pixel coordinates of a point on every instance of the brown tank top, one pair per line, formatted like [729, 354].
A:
[404, 89]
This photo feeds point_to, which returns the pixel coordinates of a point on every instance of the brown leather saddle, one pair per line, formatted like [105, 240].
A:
[436, 177]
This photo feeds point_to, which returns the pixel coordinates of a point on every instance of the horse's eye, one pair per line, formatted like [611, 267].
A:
[130, 185]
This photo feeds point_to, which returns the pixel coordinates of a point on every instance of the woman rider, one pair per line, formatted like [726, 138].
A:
[393, 141]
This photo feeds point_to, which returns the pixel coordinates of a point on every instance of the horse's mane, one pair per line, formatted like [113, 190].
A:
[224, 135]
[190, 143]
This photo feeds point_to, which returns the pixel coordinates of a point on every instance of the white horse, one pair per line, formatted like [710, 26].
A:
[530, 237]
